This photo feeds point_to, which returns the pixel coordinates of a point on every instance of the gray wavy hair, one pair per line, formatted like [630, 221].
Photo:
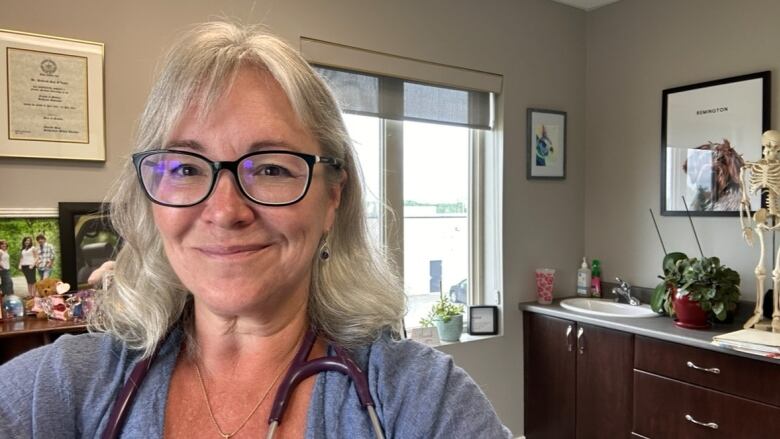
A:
[354, 296]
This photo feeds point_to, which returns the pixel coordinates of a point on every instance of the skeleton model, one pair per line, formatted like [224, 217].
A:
[764, 175]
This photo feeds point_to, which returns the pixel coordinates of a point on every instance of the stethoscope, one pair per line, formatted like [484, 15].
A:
[299, 370]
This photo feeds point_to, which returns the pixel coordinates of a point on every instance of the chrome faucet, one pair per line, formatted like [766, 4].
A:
[624, 290]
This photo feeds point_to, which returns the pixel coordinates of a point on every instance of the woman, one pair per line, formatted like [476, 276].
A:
[6, 283]
[27, 262]
[225, 273]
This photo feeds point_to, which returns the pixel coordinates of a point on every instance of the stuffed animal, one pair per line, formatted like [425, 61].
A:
[44, 289]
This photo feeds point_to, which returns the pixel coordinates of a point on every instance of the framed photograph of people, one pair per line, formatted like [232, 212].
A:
[708, 130]
[51, 97]
[88, 240]
[546, 157]
[32, 236]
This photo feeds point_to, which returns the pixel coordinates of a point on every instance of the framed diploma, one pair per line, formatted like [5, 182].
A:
[483, 320]
[52, 97]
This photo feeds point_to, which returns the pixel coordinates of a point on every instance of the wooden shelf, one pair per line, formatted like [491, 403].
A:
[19, 336]
[30, 325]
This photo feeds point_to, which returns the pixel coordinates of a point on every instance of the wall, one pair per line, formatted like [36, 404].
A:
[636, 49]
[538, 45]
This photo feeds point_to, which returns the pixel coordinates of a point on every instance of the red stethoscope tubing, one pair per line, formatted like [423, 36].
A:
[299, 370]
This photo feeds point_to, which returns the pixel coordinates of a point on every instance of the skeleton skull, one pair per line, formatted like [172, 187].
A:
[771, 143]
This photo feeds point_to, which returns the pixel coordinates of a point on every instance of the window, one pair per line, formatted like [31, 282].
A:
[425, 152]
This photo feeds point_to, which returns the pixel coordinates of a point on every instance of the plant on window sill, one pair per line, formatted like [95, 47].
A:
[447, 317]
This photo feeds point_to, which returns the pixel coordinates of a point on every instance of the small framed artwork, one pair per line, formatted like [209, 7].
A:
[51, 97]
[546, 156]
[483, 320]
[708, 131]
[88, 240]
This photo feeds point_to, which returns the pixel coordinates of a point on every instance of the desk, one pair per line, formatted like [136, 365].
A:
[20, 336]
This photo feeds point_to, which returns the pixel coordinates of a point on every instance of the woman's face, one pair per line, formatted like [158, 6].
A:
[235, 256]
[27, 242]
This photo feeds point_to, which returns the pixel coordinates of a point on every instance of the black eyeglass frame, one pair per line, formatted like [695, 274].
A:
[232, 166]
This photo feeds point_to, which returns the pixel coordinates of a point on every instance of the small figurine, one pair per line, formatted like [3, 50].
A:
[81, 304]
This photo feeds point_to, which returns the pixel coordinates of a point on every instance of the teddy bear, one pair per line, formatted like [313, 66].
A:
[44, 289]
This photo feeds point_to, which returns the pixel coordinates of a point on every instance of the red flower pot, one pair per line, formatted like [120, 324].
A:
[689, 313]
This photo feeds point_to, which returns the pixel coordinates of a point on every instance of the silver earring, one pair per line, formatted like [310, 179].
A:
[324, 249]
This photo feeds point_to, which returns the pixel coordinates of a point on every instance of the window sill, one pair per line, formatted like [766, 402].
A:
[464, 338]
[468, 338]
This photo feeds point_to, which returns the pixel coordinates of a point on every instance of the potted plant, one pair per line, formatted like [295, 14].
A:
[447, 317]
[663, 295]
[697, 290]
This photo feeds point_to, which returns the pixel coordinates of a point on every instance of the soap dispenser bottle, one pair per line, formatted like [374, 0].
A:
[583, 279]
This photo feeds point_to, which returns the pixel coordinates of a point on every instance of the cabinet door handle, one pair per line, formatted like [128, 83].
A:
[580, 340]
[714, 370]
[711, 425]
[569, 346]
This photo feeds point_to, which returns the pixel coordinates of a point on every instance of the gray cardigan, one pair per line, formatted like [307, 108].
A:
[66, 390]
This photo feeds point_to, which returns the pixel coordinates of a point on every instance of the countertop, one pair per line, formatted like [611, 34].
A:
[661, 327]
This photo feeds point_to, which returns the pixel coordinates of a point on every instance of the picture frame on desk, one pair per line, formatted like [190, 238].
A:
[16, 224]
[87, 239]
[483, 320]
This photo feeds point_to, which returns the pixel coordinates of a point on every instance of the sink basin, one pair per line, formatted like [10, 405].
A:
[607, 308]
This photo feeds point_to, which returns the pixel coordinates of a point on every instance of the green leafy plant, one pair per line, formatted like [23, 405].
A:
[443, 310]
[714, 286]
[661, 300]
[706, 281]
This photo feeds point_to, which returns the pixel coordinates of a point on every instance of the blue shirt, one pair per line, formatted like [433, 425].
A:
[66, 390]
[45, 256]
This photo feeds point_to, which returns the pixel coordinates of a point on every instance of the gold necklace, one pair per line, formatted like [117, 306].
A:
[257, 406]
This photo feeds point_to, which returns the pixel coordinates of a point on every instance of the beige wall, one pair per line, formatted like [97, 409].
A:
[636, 49]
[538, 45]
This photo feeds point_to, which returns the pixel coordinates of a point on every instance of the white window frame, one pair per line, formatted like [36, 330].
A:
[485, 170]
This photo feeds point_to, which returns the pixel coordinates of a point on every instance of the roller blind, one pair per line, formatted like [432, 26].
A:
[402, 99]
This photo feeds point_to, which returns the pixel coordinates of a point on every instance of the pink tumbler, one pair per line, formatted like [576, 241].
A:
[544, 285]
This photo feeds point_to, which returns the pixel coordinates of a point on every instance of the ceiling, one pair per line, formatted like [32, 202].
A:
[587, 5]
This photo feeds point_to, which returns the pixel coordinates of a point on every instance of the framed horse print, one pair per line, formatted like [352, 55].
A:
[708, 131]
[546, 157]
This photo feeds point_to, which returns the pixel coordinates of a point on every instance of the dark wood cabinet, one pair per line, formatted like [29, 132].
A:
[604, 377]
[740, 376]
[668, 408]
[584, 381]
[578, 379]
[682, 391]
[550, 376]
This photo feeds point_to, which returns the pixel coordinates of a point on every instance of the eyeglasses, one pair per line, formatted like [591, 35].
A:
[271, 178]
